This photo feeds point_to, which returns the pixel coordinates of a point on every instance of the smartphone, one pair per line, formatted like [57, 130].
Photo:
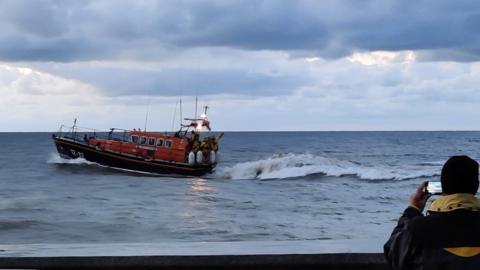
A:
[434, 188]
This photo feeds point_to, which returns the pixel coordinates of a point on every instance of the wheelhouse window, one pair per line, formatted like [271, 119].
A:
[134, 138]
[159, 142]
[143, 140]
[151, 141]
[168, 144]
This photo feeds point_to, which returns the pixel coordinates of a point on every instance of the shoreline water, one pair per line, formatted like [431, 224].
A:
[194, 248]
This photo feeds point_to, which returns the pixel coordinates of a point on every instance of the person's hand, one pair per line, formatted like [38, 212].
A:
[420, 197]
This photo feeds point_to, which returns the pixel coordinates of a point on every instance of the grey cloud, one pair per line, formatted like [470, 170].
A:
[179, 81]
[37, 18]
[466, 55]
[85, 30]
[17, 47]
[257, 26]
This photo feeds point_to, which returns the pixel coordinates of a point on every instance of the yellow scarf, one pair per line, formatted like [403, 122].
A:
[455, 201]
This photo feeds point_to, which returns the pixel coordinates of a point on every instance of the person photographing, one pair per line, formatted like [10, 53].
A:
[448, 236]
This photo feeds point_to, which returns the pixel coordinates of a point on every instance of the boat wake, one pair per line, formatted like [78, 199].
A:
[57, 159]
[300, 165]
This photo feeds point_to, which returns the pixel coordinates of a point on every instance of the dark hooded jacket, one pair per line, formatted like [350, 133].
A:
[448, 237]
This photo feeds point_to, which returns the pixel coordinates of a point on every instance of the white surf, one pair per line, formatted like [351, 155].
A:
[57, 159]
[299, 165]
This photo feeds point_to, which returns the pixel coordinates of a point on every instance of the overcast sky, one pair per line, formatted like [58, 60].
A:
[259, 65]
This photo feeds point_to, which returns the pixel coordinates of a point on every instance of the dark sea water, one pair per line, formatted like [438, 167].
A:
[269, 186]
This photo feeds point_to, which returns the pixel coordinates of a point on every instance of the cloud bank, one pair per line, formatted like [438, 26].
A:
[68, 31]
[289, 65]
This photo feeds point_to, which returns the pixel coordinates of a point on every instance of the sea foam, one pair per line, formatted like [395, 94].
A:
[299, 165]
[57, 159]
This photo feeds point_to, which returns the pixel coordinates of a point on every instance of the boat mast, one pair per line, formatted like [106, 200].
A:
[174, 115]
[181, 113]
[146, 114]
[74, 130]
[196, 103]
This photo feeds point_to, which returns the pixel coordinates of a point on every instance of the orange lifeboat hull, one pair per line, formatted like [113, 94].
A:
[133, 157]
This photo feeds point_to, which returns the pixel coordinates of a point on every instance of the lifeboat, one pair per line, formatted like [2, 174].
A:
[183, 152]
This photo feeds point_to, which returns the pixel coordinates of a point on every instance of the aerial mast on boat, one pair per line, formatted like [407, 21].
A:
[196, 105]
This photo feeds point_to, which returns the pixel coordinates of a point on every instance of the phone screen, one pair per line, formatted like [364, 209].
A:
[434, 188]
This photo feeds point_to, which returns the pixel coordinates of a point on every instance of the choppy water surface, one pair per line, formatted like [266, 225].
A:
[268, 187]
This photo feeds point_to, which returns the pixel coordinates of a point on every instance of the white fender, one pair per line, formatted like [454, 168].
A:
[212, 157]
[199, 157]
[191, 158]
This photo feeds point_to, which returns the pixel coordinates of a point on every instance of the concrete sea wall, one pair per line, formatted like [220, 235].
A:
[286, 261]
[323, 254]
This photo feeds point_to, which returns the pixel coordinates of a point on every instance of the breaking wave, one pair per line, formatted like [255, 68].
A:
[299, 165]
[57, 159]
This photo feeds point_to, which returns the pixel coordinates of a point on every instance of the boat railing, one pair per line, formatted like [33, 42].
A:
[82, 134]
